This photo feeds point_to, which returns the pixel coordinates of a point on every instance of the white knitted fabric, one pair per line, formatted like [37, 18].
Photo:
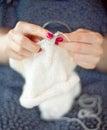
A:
[50, 80]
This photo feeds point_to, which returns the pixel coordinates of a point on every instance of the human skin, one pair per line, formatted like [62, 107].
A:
[20, 42]
[88, 48]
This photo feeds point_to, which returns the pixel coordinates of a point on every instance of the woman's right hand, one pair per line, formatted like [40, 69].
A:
[20, 42]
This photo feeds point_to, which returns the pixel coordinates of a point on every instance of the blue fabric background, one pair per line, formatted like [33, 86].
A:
[88, 14]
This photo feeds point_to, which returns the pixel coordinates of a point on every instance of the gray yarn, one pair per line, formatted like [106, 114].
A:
[86, 111]
[58, 23]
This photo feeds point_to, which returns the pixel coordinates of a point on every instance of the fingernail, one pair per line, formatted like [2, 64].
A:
[50, 35]
[58, 39]
[40, 50]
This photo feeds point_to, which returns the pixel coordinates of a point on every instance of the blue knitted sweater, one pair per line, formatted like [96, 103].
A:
[88, 14]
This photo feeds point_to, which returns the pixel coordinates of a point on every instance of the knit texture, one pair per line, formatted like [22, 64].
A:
[85, 14]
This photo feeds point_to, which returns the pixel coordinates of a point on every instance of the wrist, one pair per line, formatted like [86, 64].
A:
[3, 31]
[102, 65]
[4, 58]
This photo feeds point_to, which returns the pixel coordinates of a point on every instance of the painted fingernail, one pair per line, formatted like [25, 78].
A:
[50, 35]
[58, 39]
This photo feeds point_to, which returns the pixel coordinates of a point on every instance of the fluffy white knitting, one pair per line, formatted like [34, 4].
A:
[50, 80]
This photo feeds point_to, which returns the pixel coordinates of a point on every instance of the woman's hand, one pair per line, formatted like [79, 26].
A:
[85, 46]
[20, 42]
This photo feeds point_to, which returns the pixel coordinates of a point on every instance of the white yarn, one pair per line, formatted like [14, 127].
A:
[50, 80]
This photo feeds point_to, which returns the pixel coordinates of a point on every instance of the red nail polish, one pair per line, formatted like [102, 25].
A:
[57, 43]
[49, 35]
[58, 39]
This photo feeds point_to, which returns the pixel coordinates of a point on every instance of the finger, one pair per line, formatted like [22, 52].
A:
[19, 50]
[86, 61]
[83, 48]
[26, 43]
[24, 53]
[86, 65]
[33, 38]
[15, 56]
[28, 28]
[85, 37]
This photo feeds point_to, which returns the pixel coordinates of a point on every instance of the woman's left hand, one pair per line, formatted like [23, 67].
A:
[85, 47]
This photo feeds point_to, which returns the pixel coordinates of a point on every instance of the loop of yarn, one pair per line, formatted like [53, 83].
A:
[87, 105]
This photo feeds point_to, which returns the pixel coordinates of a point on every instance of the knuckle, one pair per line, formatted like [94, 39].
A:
[80, 30]
[19, 25]
[39, 29]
